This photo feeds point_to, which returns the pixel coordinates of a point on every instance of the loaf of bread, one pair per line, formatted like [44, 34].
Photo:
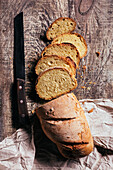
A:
[55, 82]
[50, 61]
[74, 38]
[64, 50]
[64, 122]
[60, 26]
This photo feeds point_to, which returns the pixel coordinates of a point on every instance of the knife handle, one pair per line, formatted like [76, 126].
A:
[21, 101]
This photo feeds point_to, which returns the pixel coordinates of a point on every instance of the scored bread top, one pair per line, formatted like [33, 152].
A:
[73, 151]
[63, 120]
[70, 131]
[49, 61]
[54, 82]
[74, 38]
[65, 106]
[64, 50]
[60, 26]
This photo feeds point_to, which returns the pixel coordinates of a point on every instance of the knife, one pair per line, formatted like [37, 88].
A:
[19, 72]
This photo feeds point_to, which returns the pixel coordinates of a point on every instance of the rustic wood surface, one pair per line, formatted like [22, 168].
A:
[94, 21]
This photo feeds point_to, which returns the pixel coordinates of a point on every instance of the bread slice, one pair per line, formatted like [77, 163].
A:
[74, 38]
[54, 82]
[64, 50]
[64, 122]
[60, 26]
[51, 61]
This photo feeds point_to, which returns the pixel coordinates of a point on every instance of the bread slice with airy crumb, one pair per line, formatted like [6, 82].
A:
[54, 82]
[74, 38]
[50, 61]
[64, 50]
[60, 26]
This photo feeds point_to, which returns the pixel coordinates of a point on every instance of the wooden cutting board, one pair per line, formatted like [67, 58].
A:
[94, 22]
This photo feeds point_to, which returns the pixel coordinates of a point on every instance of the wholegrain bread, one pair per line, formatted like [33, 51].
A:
[50, 61]
[64, 50]
[60, 26]
[74, 38]
[55, 82]
[64, 122]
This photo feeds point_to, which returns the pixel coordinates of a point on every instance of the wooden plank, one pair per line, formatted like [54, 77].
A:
[94, 21]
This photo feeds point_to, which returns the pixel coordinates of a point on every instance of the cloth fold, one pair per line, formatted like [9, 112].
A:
[17, 152]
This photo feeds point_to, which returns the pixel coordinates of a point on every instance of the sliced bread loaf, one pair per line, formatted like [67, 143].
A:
[50, 61]
[60, 26]
[74, 38]
[64, 50]
[55, 82]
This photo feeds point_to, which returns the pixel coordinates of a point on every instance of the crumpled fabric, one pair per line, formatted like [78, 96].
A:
[19, 152]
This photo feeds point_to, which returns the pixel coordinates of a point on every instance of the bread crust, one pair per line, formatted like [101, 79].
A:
[73, 151]
[75, 130]
[54, 108]
[41, 74]
[67, 60]
[61, 18]
[61, 120]
[78, 35]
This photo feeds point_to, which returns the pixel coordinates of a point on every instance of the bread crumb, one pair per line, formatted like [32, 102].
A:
[79, 73]
[91, 110]
[83, 87]
[98, 53]
[88, 88]
[33, 111]
[90, 82]
[83, 102]
[84, 67]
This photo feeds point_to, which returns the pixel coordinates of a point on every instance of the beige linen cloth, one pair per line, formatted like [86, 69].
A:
[18, 152]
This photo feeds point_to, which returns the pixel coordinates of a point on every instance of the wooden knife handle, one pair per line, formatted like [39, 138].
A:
[21, 101]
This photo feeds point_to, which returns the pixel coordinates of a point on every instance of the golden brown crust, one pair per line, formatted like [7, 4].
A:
[67, 110]
[72, 108]
[67, 60]
[73, 151]
[72, 63]
[64, 122]
[64, 104]
[78, 35]
[71, 75]
[61, 18]
[74, 130]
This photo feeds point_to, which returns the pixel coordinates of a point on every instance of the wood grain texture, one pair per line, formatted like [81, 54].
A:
[94, 22]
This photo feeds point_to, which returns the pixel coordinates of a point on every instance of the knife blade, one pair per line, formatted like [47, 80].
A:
[19, 71]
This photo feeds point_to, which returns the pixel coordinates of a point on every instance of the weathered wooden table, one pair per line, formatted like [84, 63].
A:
[94, 21]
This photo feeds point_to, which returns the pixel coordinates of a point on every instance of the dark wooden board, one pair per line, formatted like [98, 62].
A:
[94, 21]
